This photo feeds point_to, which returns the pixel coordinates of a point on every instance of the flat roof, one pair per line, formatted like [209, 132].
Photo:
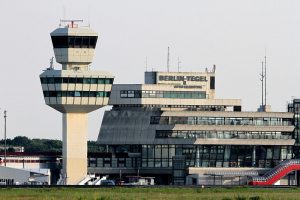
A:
[228, 114]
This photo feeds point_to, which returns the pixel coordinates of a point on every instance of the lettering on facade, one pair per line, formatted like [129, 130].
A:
[183, 78]
[189, 86]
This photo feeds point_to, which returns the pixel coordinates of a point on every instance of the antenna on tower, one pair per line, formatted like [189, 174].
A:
[63, 15]
[89, 9]
[178, 63]
[51, 64]
[146, 63]
[262, 76]
[168, 59]
[214, 68]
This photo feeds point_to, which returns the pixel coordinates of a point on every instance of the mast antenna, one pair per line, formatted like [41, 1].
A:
[262, 76]
[178, 63]
[51, 63]
[146, 63]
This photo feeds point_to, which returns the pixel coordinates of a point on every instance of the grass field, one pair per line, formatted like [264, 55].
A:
[123, 193]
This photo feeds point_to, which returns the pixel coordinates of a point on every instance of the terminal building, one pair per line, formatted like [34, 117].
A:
[174, 129]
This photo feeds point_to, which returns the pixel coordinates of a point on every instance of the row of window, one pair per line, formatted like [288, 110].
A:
[266, 121]
[215, 155]
[76, 94]
[76, 80]
[222, 134]
[114, 162]
[74, 41]
[162, 94]
[199, 155]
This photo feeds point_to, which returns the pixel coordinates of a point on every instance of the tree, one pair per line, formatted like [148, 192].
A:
[21, 141]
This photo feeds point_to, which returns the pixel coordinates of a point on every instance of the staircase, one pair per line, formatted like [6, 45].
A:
[275, 174]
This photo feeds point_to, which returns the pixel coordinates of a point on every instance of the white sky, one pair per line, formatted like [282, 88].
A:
[232, 34]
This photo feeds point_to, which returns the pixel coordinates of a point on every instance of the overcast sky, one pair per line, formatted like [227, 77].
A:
[232, 34]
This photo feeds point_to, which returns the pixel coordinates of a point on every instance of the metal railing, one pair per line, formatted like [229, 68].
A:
[276, 170]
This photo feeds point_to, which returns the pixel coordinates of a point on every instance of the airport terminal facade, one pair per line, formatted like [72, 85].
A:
[172, 127]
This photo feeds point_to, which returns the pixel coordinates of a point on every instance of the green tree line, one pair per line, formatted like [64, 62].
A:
[41, 145]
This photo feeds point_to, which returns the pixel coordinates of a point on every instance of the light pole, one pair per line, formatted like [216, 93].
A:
[5, 116]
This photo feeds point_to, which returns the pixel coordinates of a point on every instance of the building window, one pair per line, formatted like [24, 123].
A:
[75, 80]
[76, 94]
[198, 134]
[221, 121]
[162, 94]
[74, 41]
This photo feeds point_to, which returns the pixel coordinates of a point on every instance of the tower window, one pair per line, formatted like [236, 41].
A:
[74, 41]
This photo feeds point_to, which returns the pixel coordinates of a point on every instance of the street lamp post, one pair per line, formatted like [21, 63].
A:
[5, 116]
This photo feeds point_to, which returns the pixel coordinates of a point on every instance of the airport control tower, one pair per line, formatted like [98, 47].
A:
[75, 90]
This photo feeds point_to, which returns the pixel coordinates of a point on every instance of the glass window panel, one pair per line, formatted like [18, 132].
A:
[164, 151]
[165, 162]
[72, 80]
[79, 80]
[144, 151]
[70, 94]
[93, 41]
[85, 42]
[157, 162]
[187, 95]
[65, 80]
[100, 94]
[43, 80]
[130, 93]
[101, 81]
[57, 80]
[85, 94]
[108, 81]
[151, 162]
[77, 94]
[78, 41]
[46, 94]
[137, 94]
[144, 162]
[269, 153]
[59, 41]
[93, 94]
[157, 151]
[94, 80]
[71, 41]
[50, 80]
[150, 151]
[86, 80]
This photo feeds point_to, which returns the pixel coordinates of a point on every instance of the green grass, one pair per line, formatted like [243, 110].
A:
[123, 193]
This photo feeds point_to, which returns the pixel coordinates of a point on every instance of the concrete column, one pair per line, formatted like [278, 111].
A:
[74, 147]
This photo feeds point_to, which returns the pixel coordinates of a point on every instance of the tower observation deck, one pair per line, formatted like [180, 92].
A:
[75, 90]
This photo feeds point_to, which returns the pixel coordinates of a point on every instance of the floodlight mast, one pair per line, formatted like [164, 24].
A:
[5, 116]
